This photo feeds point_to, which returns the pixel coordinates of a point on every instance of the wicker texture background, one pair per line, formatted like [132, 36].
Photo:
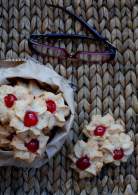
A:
[100, 89]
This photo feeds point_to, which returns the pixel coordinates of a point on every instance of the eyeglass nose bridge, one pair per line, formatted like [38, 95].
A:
[72, 55]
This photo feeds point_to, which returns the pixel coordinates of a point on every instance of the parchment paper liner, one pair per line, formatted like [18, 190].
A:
[32, 69]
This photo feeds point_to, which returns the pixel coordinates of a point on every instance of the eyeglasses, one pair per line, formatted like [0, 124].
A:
[44, 44]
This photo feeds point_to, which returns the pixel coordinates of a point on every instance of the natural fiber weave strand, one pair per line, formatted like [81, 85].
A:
[100, 89]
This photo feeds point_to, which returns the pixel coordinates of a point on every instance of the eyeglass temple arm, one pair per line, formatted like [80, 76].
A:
[60, 35]
[82, 21]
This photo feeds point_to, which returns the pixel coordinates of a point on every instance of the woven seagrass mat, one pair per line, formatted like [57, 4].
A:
[101, 88]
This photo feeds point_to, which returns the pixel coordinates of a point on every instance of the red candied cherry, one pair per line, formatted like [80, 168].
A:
[33, 145]
[51, 106]
[11, 136]
[83, 162]
[118, 154]
[9, 100]
[30, 119]
[99, 131]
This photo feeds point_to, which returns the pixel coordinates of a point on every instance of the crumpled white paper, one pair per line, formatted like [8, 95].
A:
[32, 69]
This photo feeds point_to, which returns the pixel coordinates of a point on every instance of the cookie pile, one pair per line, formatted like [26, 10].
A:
[107, 143]
[27, 116]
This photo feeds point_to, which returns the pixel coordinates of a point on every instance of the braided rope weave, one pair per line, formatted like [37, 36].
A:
[101, 88]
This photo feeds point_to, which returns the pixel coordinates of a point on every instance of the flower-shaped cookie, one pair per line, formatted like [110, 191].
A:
[35, 89]
[56, 108]
[107, 143]
[26, 115]
[39, 113]
[20, 92]
[117, 148]
[8, 96]
[87, 159]
[102, 127]
[27, 146]
[6, 136]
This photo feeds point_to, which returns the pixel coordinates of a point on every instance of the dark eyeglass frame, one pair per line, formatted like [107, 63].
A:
[97, 36]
